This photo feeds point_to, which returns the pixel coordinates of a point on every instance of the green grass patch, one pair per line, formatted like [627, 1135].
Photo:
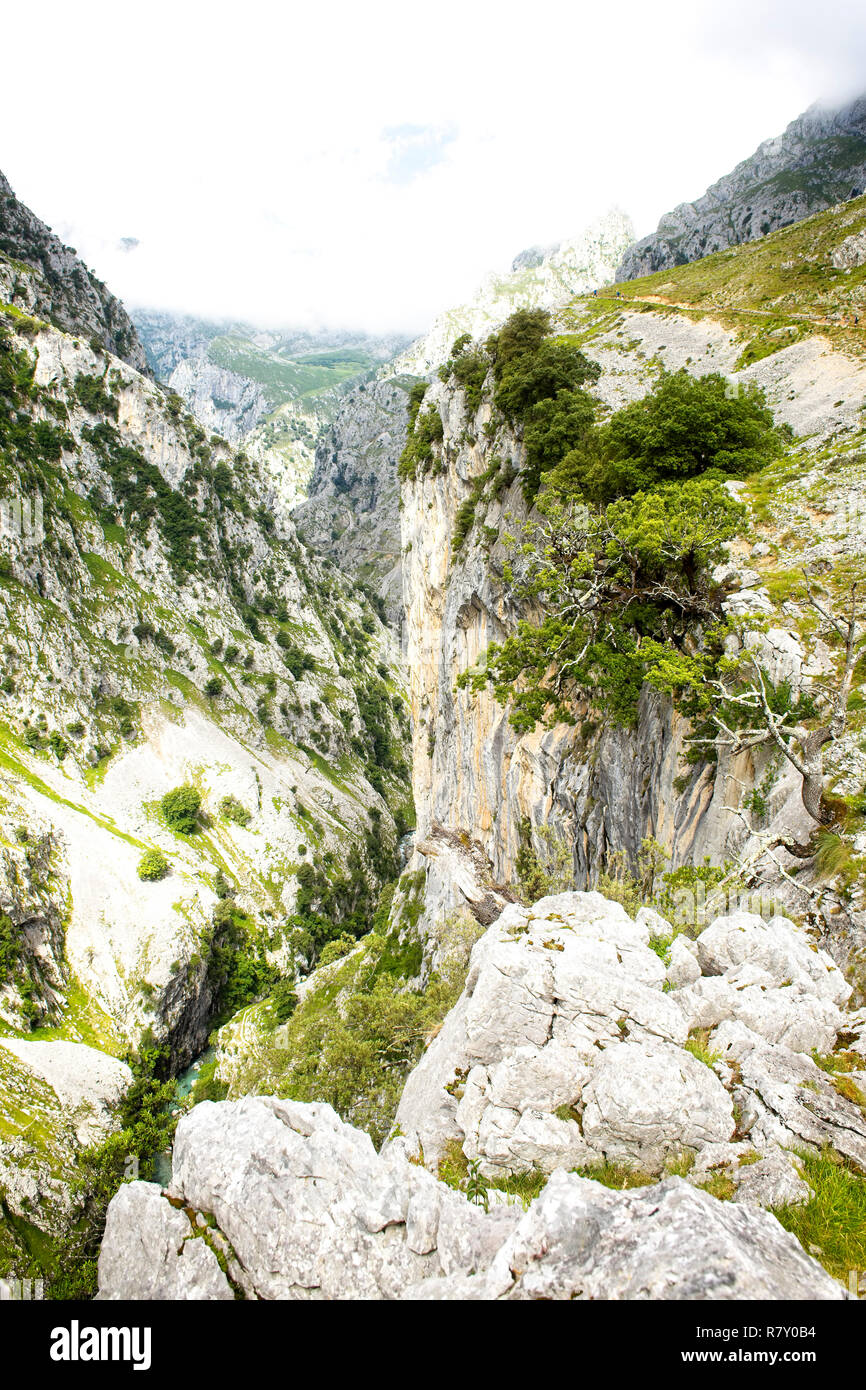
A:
[832, 1226]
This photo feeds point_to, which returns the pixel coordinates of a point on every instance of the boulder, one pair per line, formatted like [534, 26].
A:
[644, 1103]
[300, 1206]
[549, 989]
[580, 1240]
[683, 968]
[778, 947]
[773, 1181]
[170, 1257]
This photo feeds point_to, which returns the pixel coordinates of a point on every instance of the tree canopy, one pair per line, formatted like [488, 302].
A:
[686, 427]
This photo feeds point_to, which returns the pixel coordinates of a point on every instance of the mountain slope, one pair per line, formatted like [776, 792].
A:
[164, 630]
[62, 290]
[818, 161]
[777, 314]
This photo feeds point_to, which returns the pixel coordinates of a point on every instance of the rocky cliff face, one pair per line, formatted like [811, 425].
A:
[351, 513]
[60, 287]
[224, 402]
[165, 628]
[177, 346]
[818, 161]
[159, 632]
[597, 788]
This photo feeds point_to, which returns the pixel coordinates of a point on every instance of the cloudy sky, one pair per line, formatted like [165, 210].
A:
[365, 164]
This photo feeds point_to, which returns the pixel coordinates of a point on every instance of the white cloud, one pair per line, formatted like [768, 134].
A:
[366, 165]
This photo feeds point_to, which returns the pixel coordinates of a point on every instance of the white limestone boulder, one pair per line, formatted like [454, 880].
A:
[644, 1103]
[170, 1257]
[580, 1240]
[683, 968]
[302, 1207]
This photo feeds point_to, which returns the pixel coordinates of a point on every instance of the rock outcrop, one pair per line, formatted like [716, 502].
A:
[58, 1098]
[581, 1240]
[351, 513]
[60, 287]
[819, 160]
[570, 1048]
[271, 1199]
[298, 1205]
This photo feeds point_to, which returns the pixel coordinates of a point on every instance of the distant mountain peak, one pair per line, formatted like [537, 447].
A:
[540, 278]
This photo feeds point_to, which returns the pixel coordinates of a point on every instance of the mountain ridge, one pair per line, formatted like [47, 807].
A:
[63, 291]
[819, 160]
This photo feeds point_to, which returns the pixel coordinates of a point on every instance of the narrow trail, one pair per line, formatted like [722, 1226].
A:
[655, 299]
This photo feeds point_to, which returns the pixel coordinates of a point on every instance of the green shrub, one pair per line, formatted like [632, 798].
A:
[91, 394]
[10, 948]
[181, 809]
[153, 866]
[683, 428]
[339, 947]
[58, 745]
[541, 373]
[283, 1000]
[233, 810]
[553, 427]
[425, 430]
[357, 1057]
[296, 659]
[146, 1129]
[213, 686]
[467, 367]
[238, 970]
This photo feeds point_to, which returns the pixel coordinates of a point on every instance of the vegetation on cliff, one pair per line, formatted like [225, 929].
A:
[632, 518]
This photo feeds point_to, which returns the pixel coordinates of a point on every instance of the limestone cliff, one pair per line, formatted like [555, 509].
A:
[351, 512]
[818, 161]
[600, 788]
[59, 288]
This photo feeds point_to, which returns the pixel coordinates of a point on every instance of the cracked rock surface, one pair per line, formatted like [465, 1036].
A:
[569, 1044]
[276, 1200]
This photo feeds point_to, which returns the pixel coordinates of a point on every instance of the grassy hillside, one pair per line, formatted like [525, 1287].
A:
[773, 291]
[287, 378]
